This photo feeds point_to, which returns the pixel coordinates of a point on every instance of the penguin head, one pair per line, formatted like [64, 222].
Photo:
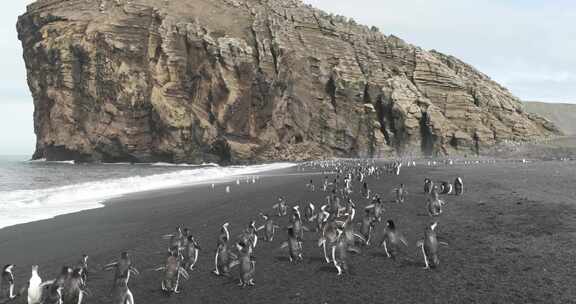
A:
[225, 226]
[390, 224]
[84, 258]
[252, 225]
[124, 255]
[8, 268]
[66, 270]
[35, 268]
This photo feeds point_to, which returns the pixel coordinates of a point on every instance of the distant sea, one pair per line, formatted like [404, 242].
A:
[36, 190]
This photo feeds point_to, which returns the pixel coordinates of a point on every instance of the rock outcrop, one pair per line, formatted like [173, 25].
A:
[248, 80]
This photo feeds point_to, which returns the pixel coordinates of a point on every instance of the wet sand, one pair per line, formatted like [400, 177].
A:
[512, 239]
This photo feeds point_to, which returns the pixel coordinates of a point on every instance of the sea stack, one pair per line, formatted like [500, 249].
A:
[235, 81]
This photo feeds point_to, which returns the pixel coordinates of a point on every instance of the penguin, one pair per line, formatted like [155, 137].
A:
[400, 193]
[83, 264]
[310, 212]
[246, 263]
[52, 294]
[121, 294]
[122, 268]
[377, 208]
[7, 283]
[35, 287]
[72, 292]
[367, 226]
[294, 246]
[296, 223]
[428, 186]
[458, 186]
[329, 237]
[172, 272]
[269, 228]
[281, 206]
[190, 251]
[445, 188]
[434, 204]
[429, 246]
[224, 260]
[176, 240]
[392, 240]
[348, 229]
[227, 189]
[64, 276]
[249, 235]
[221, 258]
[340, 250]
[322, 217]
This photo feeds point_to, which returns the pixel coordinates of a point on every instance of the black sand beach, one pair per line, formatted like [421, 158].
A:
[512, 239]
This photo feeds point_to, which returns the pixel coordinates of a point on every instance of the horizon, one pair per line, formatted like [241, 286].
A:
[532, 66]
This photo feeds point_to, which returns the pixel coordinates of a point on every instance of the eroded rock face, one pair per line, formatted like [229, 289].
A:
[245, 80]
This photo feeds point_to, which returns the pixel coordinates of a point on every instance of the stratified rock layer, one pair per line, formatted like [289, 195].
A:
[246, 80]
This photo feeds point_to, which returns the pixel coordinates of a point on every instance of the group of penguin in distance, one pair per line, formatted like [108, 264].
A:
[335, 222]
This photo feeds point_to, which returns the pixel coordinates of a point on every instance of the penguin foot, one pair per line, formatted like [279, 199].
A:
[216, 272]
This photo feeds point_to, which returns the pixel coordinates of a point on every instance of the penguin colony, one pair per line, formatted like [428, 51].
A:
[335, 223]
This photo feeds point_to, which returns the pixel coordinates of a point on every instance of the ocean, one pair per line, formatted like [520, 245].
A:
[37, 190]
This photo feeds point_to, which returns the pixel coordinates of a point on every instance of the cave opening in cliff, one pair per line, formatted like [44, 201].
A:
[427, 142]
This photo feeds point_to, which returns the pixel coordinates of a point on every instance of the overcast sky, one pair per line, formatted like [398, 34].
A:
[527, 45]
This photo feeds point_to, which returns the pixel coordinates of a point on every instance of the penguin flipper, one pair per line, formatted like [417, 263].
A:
[46, 283]
[260, 228]
[134, 271]
[234, 264]
[110, 266]
[183, 273]
[284, 245]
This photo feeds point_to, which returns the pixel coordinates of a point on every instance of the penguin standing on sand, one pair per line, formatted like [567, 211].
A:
[310, 212]
[121, 294]
[434, 204]
[190, 251]
[392, 240]
[52, 294]
[72, 292]
[35, 287]
[428, 186]
[429, 246]
[340, 251]
[172, 272]
[400, 193]
[83, 264]
[269, 228]
[7, 283]
[222, 256]
[281, 207]
[445, 187]
[249, 235]
[458, 186]
[294, 246]
[296, 223]
[246, 263]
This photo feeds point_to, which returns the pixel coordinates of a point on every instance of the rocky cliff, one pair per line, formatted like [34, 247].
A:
[248, 80]
[561, 114]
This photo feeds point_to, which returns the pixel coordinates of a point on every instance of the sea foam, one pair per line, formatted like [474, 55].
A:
[24, 206]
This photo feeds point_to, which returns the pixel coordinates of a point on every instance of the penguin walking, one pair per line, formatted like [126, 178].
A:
[445, 187]
[458, 186]
[172, 272]
[83, 264]
[392, 240]
[249, 235]
[121, 294]
[367, 226]
[190, 253]
[400, 193]
[377, 209]
[294, 246]
[247, 264]
[296, 223]
[221, 258]
[269, 228]
[72, 291]
[123, 268]
[340, 251]
[310, 212]
[429, 246]
[329, 237]
[7, 283]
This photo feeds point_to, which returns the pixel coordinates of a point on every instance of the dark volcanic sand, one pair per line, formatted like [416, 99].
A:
[512, 239]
